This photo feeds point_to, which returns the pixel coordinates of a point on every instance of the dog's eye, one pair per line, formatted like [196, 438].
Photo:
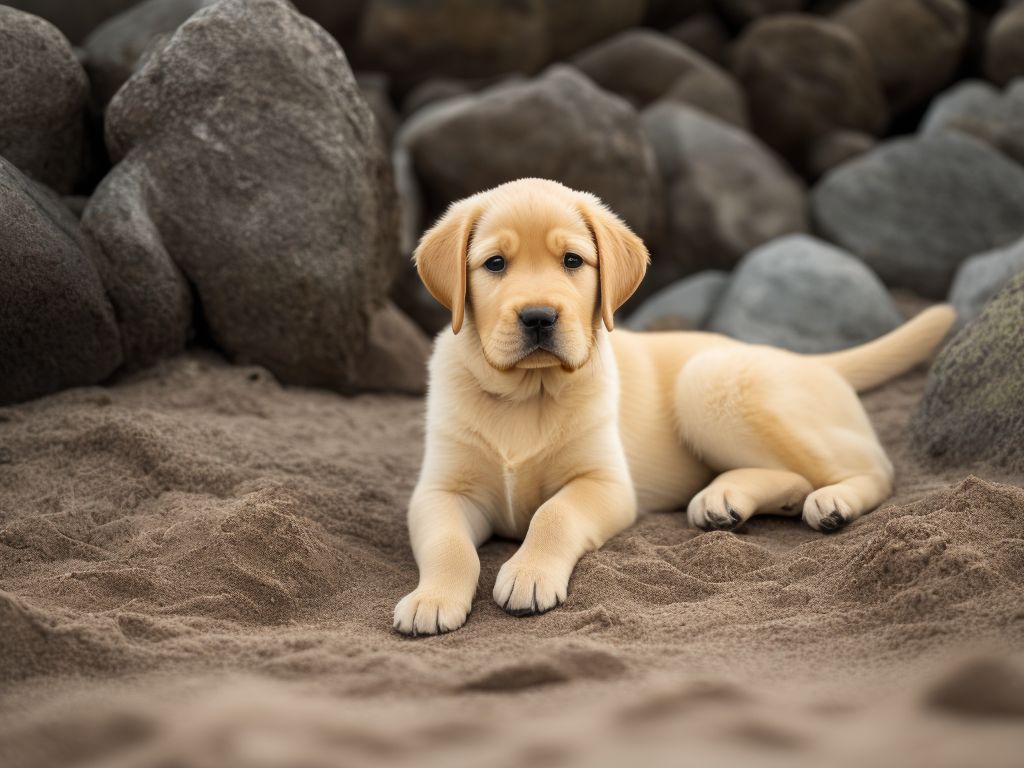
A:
[572, 260]
[495, 264]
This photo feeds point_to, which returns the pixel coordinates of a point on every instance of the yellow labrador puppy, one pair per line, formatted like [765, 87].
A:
[544, 426]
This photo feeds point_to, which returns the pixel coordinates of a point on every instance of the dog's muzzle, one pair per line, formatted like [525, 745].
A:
[538, 326]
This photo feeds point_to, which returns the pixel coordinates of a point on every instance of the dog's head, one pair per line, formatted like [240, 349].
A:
[538, 265]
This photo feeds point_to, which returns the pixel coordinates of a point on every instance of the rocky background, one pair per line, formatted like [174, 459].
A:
[252, 177]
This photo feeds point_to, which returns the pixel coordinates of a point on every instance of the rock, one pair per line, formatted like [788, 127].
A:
[726, 193]
[803, 294]
[413, 39]
[431, 91]
[982, 276]
[570, 30]
[643, 65]
[706, 34]
[114, 48]
[978, 109]
[413, 298]
[835, 149]
[375, 90]
[43, 95]
[805, 78]
[339, 17]
[973, 405]
[685, 305]
[1004, 45]
[395, 359]
[665, 13]
[916, 45]
[74, 19]
[902, 208]
[559, 126]
[251, 177]
[57, 328]
[742, 12]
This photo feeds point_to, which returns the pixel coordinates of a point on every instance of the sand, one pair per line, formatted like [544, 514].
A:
[198, 568]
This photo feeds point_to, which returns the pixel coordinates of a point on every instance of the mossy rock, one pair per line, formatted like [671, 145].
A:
[973, 406]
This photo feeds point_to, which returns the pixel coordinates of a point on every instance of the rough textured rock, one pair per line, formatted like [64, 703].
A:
[570, 30]
[745, 11]
[43, 94]
[978, 109]
[113, 49]
[916, 45]
[803, 294]
[413, 39]
[1004, 45]
[835, 149]
[57, 328]
[973, 406]
[252, 178]
[685, 305]
[806, 77]
[559, 126]
[643, 65]
[982, 276]
[726, 193]
[74, 18]
[903, 209]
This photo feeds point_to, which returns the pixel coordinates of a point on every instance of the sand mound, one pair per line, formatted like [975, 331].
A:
[198, 567]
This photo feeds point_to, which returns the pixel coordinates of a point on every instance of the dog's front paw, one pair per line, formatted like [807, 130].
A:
[524, 588]
[827, 509]
[717, 508]
[430, 612]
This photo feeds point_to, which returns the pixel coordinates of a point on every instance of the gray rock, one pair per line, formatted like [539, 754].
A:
[250, 176]
[643, 65]
[916, 45]
[431, 91]
[559, 126]
[685, 305]
[1004, 45]
[973, 405]
[902, 208]
[726, 193]
[978, 109]
[805, 78]
[375, 90]
[982, 276]
[803, 294]
[74, 18]
[834, 149]
[57, 328]
[412, 40]
[570, 30]
[113, 49]
[43, 95]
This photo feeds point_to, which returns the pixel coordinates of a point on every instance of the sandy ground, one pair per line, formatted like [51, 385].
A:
[198, 568]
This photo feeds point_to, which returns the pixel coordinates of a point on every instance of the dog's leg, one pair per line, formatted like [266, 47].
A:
[739, 494]
[445, 529]
[581, 517]
[833, 506]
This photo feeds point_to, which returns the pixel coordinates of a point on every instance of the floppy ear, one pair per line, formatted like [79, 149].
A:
[442, 253]
[622, 257]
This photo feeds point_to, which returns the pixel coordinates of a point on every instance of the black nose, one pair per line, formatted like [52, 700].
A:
[538, 318]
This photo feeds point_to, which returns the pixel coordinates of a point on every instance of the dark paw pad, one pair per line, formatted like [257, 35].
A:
[832, 522]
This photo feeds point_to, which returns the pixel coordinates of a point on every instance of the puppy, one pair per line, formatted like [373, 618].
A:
[544, 426]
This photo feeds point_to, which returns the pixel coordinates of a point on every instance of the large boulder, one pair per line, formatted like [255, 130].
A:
[415, 39]
[1004, 45]
[973, 405]
[982, 276]
[570, 31]
[916, 45]
[978, 109]
[803, 294]
[686, 305]
[559, 126]
[43, 95]
[725, 192]
[805, 78]
[252, 189]
[57, 328]
[114, 48]
[643, 65]
[903, 208]
[74, 18]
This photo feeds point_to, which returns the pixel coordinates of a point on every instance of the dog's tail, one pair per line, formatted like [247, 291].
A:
[900, 350]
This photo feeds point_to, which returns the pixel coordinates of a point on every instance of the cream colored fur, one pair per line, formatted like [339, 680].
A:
[562, 447]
